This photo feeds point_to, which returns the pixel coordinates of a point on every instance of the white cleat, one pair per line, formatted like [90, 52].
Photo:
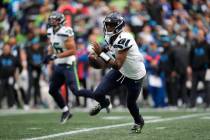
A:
[108, 109]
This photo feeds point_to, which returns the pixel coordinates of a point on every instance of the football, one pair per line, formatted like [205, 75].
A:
[96, 62]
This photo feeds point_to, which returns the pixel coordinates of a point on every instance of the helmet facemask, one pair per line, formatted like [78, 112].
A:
[56, 20]
[111, 28]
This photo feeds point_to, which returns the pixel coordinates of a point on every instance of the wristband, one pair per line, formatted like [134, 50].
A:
[54, 56]
[104, 56]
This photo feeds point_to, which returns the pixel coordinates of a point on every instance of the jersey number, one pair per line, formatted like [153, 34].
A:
[123, 42]
[57, 48]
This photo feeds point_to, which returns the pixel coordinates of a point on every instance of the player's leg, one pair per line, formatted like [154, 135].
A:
[72, 81]
[108, 83]
[56, 81]
[134, 88]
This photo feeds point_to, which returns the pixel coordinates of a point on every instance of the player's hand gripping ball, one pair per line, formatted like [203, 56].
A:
[96, 62]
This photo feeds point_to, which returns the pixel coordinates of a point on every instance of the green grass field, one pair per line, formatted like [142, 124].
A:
[160, 125]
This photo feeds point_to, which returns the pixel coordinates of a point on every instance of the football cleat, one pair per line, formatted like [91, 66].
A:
[137, 128]
[95, 110]
[98, 108]
[65, 116]
[108, 109]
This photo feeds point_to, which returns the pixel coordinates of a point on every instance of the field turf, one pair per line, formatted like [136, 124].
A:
[160, 125]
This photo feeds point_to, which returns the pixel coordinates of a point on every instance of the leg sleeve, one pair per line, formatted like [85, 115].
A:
[108, 83]
[134, 89]
[56, 81]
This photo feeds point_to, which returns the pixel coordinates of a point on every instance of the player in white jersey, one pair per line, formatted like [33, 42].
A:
[62, 51]
[127, 68]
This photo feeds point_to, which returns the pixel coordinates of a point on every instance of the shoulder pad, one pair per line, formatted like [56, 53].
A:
[124, 41]
[69, 31]
[65, 32]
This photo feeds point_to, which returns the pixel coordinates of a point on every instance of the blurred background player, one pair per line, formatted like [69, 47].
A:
[64, 51]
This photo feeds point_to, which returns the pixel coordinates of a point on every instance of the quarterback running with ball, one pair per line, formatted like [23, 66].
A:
[127, 68]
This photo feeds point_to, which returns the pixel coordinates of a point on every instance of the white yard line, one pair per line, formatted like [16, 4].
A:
[22, 112]
[7, 112]
[115, 126]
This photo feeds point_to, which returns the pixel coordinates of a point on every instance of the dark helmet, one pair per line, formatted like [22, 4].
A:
[56, 19]
[113, 24]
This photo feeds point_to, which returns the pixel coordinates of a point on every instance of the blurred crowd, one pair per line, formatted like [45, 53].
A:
[173, 35]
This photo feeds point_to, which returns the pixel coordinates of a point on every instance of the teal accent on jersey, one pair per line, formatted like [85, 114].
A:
[76, 75]
[63, 35]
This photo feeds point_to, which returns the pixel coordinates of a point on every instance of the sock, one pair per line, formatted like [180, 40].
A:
[65, 109]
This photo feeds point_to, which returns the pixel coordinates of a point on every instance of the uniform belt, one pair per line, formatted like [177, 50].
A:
[67, 65]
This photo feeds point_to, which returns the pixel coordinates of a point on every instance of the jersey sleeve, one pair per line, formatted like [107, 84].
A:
[49, 32]
[123, 43]
[69, 31]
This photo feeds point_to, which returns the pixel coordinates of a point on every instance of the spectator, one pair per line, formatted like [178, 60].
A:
[155, 83]
[179, 62]
[8, 66]
[155, 11]
[198, 65]
[82, 66]
[165, 67]
[34, 57]
[4, 22]
[20, 57]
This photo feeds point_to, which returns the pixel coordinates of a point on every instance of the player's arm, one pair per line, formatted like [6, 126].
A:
[120, 59]
[114, 63]
[49, 49]
[70, 50]
[70, 46]
[48, 55]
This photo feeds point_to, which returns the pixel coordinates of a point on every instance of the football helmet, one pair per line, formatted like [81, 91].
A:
[56, 20]
[113, 24]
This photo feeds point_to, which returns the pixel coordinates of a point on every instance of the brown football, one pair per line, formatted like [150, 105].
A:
[96, 62]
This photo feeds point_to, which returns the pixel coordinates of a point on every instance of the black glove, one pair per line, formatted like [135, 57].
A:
[49, 58]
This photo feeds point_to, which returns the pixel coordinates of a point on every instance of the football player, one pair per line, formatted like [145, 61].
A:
[62, 51]
[127, 67]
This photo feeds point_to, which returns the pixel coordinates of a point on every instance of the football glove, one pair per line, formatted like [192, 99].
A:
[49, 58]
